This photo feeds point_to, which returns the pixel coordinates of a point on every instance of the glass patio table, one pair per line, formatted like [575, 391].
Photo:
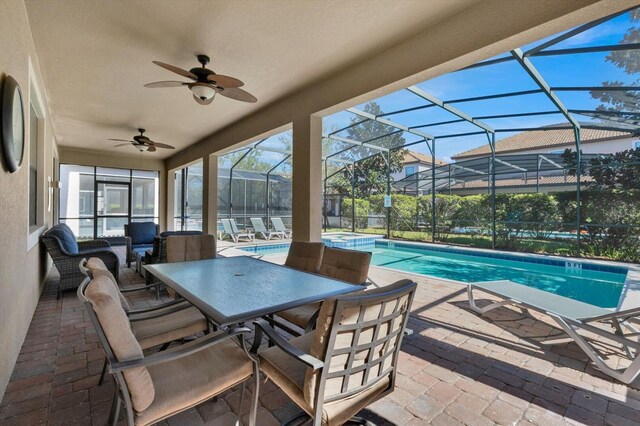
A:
[231, 290]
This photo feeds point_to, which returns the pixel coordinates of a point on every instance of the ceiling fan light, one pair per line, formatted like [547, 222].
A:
[142, 147]
[203, 91]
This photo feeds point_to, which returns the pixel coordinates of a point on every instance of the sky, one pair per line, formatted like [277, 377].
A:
[588, 69]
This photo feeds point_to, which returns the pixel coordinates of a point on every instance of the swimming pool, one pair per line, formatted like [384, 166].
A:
[593, 283]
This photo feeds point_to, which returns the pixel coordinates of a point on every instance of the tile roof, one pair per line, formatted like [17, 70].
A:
[542, 138]
[415, 157]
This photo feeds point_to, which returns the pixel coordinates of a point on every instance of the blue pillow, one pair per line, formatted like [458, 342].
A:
[142, 232]
[66, 237]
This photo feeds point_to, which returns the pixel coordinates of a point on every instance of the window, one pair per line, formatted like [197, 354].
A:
[557, 151]
[97, 202]
[188, 192]
[33, 167]
[409, 170]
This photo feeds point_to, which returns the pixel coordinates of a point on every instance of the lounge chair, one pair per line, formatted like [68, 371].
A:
[572, 316]
[258, 226]
[231, 230]
[278, 225]
[347, 363]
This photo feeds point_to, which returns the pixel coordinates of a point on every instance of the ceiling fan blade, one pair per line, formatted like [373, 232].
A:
[238, 95]
[119, 140]
[177, 70]
[201, 102]
[224, 81]
[151, 148]
[160, 145]
[122, 144]
[159, 84]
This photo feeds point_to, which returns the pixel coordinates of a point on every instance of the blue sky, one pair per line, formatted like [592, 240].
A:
[564, 70]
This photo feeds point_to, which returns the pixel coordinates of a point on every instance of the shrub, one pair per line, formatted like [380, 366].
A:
[362, 212]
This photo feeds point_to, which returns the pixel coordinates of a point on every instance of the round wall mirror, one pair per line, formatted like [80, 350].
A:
[12, 124]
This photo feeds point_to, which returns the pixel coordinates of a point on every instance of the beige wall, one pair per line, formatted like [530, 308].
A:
[22, 269]
[134, 161]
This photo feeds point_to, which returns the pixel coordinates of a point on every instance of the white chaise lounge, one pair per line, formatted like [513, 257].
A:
[572, 316]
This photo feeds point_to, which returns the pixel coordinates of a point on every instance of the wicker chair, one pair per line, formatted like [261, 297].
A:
[159, 252]
[139, 238]
[67, 253]
[348, 362]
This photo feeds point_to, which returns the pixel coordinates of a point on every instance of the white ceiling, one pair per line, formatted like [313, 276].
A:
[95, 57]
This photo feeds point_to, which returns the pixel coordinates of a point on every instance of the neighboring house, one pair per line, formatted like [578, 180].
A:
[556, 141]
[414, 162]
[531, 162]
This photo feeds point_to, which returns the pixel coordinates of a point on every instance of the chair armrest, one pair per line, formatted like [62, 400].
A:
[157, 307]
[141, 287]
[263, 327]
[157, 313]
[93, 244]
[127, 240]
[179, 351]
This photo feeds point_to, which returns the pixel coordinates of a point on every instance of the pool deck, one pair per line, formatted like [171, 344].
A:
[507, 367]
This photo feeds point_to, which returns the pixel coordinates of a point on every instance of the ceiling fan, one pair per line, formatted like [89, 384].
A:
[142, 143]
[206, 83]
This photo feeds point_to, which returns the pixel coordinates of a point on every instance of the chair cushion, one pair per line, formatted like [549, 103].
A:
[170, 233]
[142, 232]
[116, 326]
[66, 237]
[177, 325]
[182, 248]
[190, 380]
[305, 256]
[96, 266]
[289, 375]
[346, 265]
[300, 315]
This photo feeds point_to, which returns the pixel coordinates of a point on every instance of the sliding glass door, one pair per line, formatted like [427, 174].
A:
[188, 198]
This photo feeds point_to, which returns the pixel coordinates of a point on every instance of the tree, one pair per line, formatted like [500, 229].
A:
[253, 161]
[370, 174]
[629, 61]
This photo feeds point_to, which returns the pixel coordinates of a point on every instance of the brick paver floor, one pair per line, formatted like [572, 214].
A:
[507, 367]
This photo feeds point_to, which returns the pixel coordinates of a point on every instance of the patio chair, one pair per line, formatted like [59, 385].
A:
[138, 237]
[259, 228]
[278, 225]
[159, 252]
[66, 253]
[154, 326]
[231, 230]
[305, 256]
[347, 265]
[183, 248]
[572, 316]
[160, 385]
[348, 362]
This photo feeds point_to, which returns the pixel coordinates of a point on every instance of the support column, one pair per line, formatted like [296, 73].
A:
[307, 179]
[210, 194]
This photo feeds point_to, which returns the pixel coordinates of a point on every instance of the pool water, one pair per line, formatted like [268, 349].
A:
[596, 287]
